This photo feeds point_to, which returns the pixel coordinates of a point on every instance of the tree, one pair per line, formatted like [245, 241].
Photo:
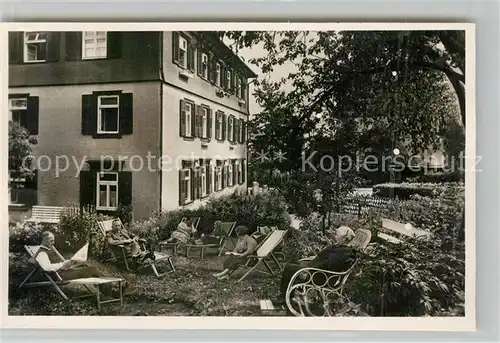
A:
[20, 149]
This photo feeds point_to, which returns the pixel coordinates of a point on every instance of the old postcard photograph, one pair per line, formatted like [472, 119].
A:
[299, 176]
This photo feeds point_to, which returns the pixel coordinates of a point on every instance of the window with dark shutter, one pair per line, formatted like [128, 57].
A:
[235, 129]
[209, 177]
[16, 47]
[218, 124]
[32, 120]
[199, 123]
[182, 118]
[182, 190]
[199, 67]
[243, 170]
[125, 188]
[89, 114]
[114, 45]
[209, 124]
[224, 127]
[126, 113]
[244, 133]
[53, 46]
[191, 57]
[175, 47]
[88, 186]
[73, 46]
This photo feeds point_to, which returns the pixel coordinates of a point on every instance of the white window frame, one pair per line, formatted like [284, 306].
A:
[230, 179]
[95, 45]
[240, 131]
[99, 113]
[13, 108]
[203, 176]
[204, 122]
[108, 185]
[188, 116]
[221, 126]
[204, 65]
[230, 128]
[183, 48]
[187, 180]
[37, 41]
[218, 76]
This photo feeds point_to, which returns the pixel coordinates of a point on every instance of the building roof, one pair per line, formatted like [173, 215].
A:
[212, 40]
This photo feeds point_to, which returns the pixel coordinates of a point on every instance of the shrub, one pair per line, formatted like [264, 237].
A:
[124, 212]
[438, 177]
[406, 189]
[26, 233]
[75, 230]
[413, 278]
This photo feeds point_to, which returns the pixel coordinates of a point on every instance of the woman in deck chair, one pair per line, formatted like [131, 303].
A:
[50, 261]
[184, 233]
[245, 246]
[336, 258]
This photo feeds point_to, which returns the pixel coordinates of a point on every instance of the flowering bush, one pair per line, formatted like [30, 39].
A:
[406, 189]
[26, 233]
[413, 278]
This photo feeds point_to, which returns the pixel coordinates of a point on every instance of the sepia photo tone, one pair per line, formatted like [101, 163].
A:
[237, 173]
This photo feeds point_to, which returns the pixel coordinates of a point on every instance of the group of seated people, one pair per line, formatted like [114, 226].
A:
[337, 257]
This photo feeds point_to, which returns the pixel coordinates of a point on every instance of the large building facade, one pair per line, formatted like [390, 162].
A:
[147, 120]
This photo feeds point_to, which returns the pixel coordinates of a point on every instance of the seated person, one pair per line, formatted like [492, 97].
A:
[51, 261]
[336, 258]
[184, 233]
[245, 246]
[118, 235]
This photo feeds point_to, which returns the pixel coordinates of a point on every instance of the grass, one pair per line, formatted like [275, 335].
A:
[191, 291]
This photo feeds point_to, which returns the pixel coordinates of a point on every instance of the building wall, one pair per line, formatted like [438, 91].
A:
[60, 134]
[195, 85]
[176, 148]
[137, 59]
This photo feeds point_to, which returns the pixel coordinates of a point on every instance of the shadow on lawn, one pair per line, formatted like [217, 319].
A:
[191, 291]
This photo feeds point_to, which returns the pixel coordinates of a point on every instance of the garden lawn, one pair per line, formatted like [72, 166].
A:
[191, 291]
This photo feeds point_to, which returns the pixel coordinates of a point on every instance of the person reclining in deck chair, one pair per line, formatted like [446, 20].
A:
[338, 257]
[184, 233]
[245, 246]
[50, 261]
[118, 235]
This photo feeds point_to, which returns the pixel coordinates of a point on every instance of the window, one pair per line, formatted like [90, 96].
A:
[218, 78]
[187, 117]
[238, 88]
[18, 111]
[204, 177]
[230, 128]
[204, 122]
[107, 191]
[228, 79]
[219, 127]
[35, 46]
[240, 131]
[94, 45]
[183, 52]
[240, 172]
[218, 176]
[230, 174]
[204, 66]
[108, 114]
[185, 185]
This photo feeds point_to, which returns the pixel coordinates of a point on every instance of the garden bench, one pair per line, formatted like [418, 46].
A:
[46, 214]
[311, 289]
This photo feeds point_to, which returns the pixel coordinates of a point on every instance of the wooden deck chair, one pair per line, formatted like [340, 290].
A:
[106, 225]
[265, 252]
[226, 230]
[196, 221]
[54, 279]
[313, 283]
[175, 245]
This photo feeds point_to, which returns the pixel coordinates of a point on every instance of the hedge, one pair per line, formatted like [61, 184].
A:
[406, 189]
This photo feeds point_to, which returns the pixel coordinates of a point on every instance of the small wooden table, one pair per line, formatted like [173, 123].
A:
[97, 282]
[202, 248]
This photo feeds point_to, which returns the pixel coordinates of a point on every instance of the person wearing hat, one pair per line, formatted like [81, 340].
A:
[338, 257]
